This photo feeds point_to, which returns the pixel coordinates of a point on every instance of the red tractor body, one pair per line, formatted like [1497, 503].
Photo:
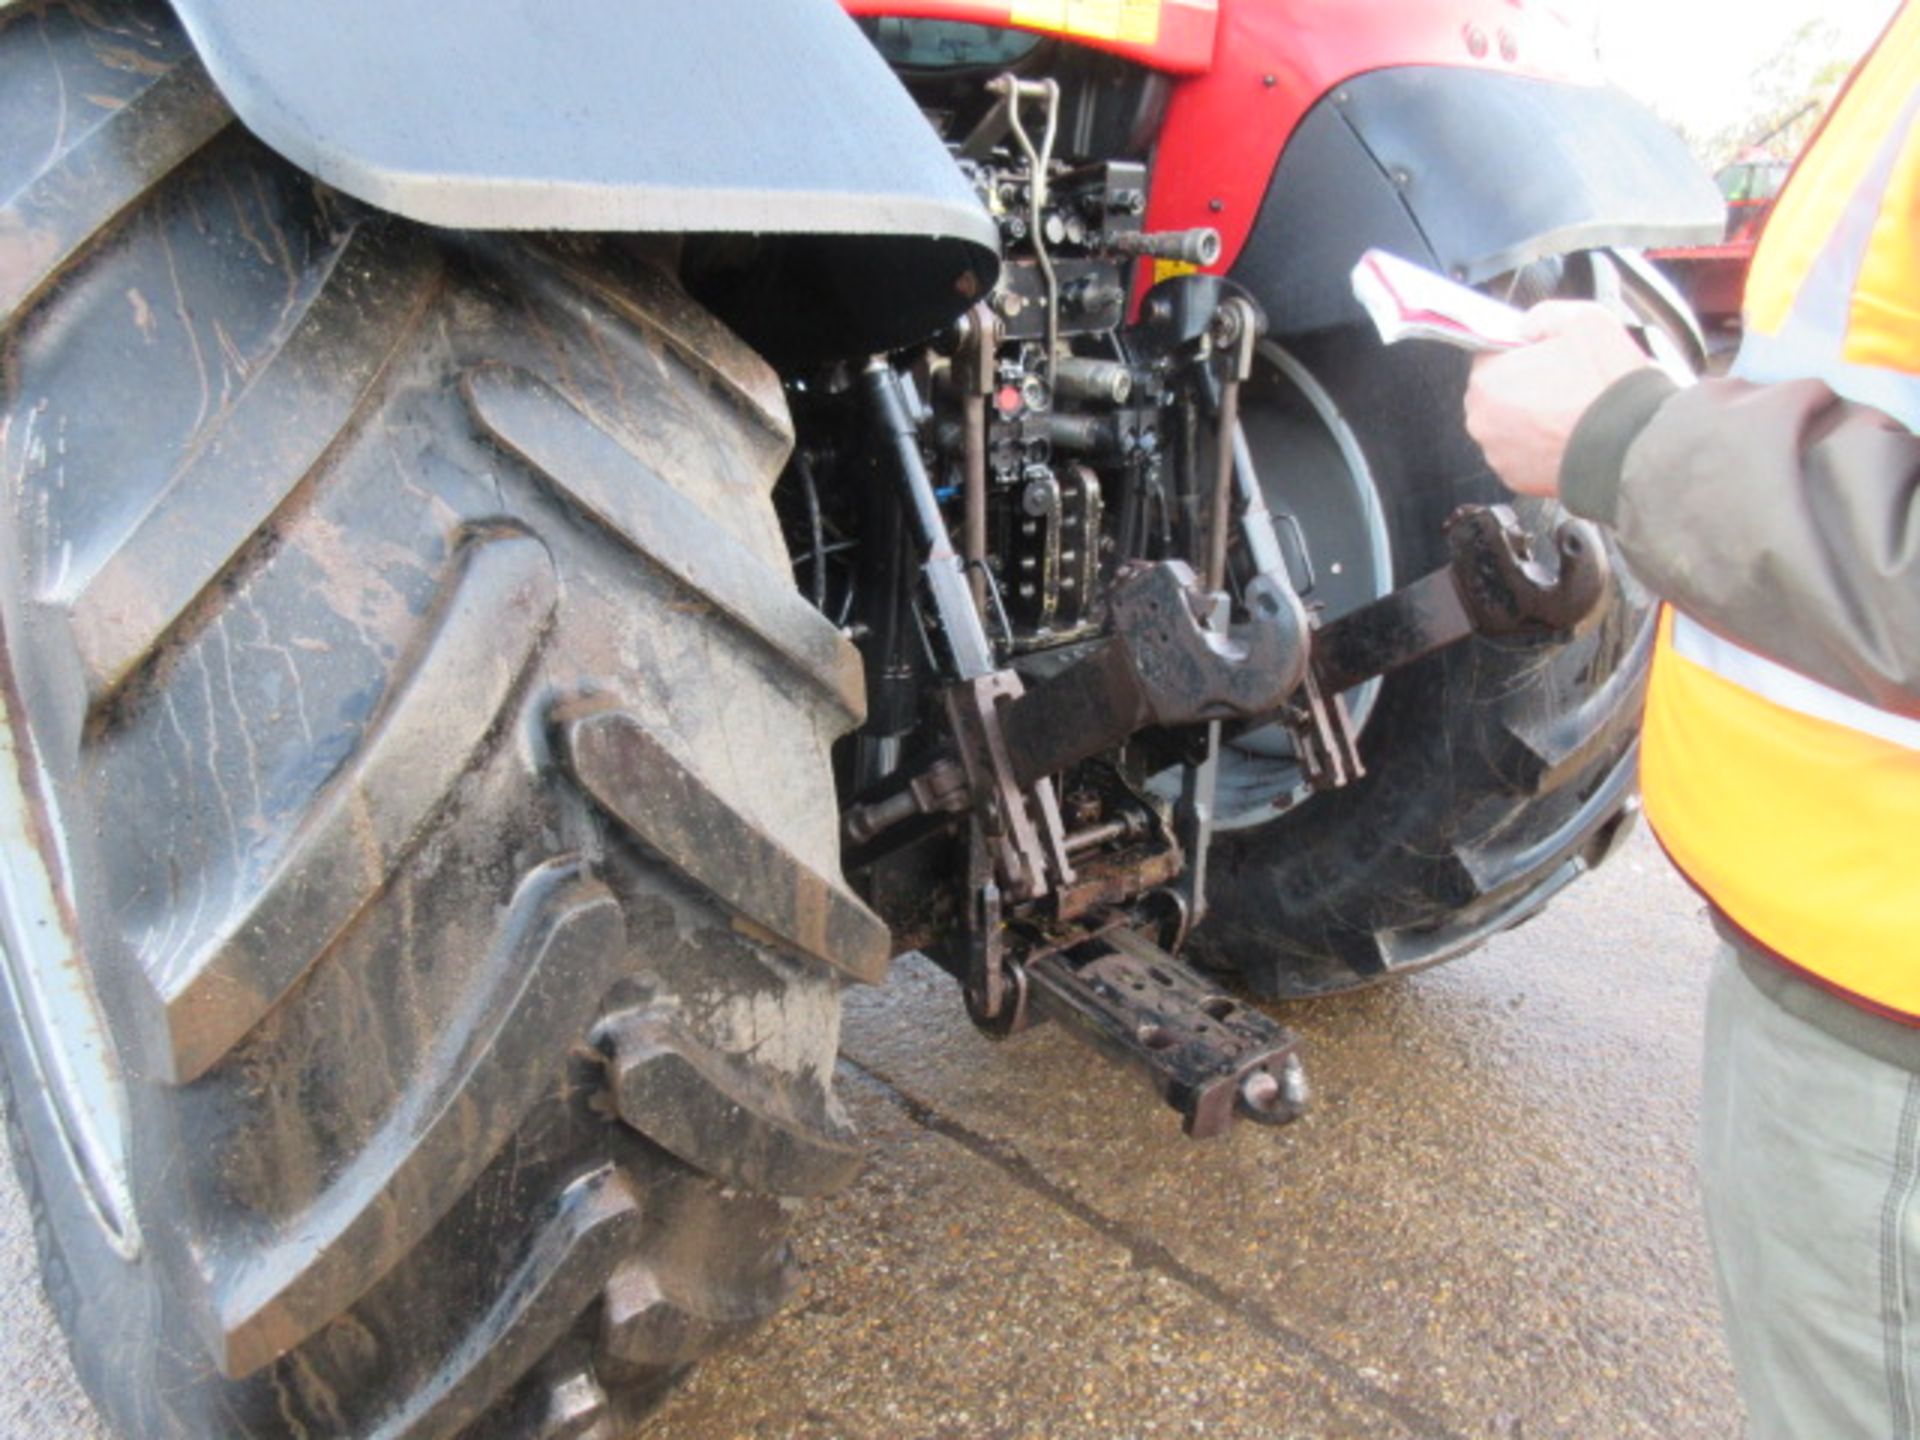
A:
[1248, 71]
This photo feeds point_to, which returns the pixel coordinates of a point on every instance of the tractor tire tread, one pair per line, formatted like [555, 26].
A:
[465, 1079]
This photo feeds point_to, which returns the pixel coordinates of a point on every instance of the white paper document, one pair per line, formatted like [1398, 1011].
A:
[1408, 301]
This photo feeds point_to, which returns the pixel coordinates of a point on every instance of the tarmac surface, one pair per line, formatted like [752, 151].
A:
[1487, 1228]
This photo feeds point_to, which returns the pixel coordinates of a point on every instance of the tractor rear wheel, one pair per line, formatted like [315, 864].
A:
[1498, 770]
[421, 903]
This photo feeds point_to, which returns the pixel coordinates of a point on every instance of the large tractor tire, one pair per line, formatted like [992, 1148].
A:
[1497, 771]
[421, 904]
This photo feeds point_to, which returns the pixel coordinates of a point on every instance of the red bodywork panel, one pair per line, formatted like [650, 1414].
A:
[1274, 59]
[1250, 69]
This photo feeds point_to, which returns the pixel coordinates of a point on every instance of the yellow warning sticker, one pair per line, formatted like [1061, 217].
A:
[1167, 269]
[1134, 22]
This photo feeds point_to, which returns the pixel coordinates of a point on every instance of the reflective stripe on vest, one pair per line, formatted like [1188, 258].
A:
[1802, 826]
[1789, 689]
[1794, 807]
[1832, 294]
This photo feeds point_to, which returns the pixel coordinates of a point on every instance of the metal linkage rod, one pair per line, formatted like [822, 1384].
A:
[946, 572]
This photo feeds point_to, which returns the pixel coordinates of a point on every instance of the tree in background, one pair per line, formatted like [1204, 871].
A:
[1787, 94]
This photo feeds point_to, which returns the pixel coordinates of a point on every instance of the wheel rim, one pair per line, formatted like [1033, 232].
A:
[1310, 465]
[68, 1046]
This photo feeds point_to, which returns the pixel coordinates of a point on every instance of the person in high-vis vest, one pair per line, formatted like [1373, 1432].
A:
[1778, 514]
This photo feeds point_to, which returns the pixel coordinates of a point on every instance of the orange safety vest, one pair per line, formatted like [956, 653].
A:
[1793, 807]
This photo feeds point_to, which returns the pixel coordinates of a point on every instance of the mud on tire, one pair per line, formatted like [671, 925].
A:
[423, 751]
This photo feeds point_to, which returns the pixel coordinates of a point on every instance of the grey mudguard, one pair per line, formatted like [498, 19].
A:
[1469, 172]
[734, 116]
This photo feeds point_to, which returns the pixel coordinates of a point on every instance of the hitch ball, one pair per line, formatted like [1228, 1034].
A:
[1274, 1099]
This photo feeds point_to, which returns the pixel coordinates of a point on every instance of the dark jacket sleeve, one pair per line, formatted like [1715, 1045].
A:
[1781, 516]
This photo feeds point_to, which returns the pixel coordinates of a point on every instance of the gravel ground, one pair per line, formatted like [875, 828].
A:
[1487, 1227]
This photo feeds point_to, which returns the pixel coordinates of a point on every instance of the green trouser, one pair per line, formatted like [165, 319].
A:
[1809, 1156]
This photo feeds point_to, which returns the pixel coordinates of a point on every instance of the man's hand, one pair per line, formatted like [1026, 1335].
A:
[1522, 404]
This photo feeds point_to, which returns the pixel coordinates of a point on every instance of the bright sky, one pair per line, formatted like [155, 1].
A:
[1691, 58]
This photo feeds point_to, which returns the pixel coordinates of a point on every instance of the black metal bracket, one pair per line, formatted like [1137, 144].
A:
[1210, 1057]
[1495, 585]
[1163, 665]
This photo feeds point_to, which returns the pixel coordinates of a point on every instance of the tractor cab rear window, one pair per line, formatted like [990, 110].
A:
[947, 44]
